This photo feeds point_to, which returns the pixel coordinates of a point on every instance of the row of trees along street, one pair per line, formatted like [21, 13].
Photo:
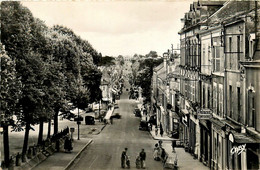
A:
[44, 71]
[142, 72]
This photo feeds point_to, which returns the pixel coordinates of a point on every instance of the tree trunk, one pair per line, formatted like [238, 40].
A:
[40, 132]
[6, 145]
[26, 137]
[49, 129]
[56, 110]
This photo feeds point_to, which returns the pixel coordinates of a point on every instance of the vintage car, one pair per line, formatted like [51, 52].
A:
[89, 120]
[144, 125]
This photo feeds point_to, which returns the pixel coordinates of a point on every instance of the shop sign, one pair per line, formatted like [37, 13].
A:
[184, 120]
[204, 114]
[238, 149]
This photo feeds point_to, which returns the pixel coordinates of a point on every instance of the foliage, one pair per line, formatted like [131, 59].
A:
[107, 61]
[144, 76]
[10, 86]
[43, 68]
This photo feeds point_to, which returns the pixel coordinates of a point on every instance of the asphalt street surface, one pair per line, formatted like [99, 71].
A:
[106, 148]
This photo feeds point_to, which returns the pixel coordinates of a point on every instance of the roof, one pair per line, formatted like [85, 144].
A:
[162, 74]
[159, 67]
[229, 10]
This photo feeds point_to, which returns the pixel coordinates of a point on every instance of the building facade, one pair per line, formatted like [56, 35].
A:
[219, 77]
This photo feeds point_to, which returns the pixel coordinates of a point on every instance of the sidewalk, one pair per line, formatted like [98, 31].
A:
[62, 160]
[185, 159]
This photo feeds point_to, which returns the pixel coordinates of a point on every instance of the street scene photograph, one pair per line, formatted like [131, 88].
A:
[130, 84]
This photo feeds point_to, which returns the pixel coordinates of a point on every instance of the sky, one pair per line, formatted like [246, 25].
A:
[117, 27]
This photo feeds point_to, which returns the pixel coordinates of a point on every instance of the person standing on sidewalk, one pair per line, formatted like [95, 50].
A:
[123, 158]
[143, 157]
[161, 130]
[173, 146]
[156, 131]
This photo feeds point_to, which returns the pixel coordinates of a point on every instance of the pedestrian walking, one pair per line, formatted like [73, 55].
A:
[161, 132]
[111, 120]
[164, 155]
[173, 146]
[156, 152]
[127, 161]
[138, 162]
[143, 157]
[160, 143]
[123, 158]
[68, 144]
[156, 131]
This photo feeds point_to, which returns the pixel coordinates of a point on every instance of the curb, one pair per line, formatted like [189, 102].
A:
[159, 139]
[78, 154]
[101, 129]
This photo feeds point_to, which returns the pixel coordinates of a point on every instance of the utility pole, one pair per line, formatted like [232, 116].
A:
[78, 122]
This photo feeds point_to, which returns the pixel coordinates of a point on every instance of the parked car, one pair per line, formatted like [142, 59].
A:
[144, 125]
[116, 114]
[89, 120]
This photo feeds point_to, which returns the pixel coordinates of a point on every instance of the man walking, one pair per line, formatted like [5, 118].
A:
[123, 158]
[142, 157]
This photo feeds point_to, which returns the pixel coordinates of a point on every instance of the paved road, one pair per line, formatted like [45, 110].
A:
[106, 149]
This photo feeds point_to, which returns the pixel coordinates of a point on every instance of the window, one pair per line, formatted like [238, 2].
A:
[215, 98]
[238, 104]
[238, 51]
[203, 97]
[220, 98]
[230, 52]
[230, 102]
[209, 98]
[216, 53]
[251, 109]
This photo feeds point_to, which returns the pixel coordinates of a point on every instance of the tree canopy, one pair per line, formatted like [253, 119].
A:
[43, 69]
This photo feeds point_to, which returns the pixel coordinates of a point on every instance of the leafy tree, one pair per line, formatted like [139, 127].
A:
[152, 54]
[21, 35]
[107, 61]
[9, 96]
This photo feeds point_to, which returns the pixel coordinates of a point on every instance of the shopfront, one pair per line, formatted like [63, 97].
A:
[243, 151]
[218, 146]
[205, 139]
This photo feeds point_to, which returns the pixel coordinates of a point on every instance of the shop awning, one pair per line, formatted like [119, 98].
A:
[244, 138]
[232, 125]
[205, 124]
[217, 122]
[184, 111]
